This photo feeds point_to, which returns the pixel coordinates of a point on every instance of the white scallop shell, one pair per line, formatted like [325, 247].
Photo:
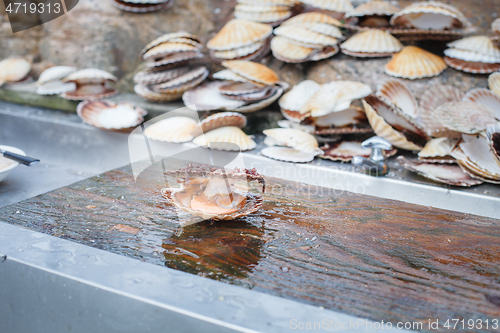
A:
[239, 52]
[90, 74]
[398, 94]
[479, 44]
[108, 115]
[439, 147]
[55, 87]
[287, 154]
[173, 129]
[340, 6]
[207, 97]
[229, 75]
[494, 82]
[464, 117]
[13, 70]
[303, 35]
[372, 41]
[55, 73]
[480, 156]
[298, 96]
[485, 97]
[226, 138]
[472, 56]
[374, 7]
[237, 33]
[292, 138]
[284, 50]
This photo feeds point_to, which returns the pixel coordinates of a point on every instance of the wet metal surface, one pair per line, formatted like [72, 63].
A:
[361, 255]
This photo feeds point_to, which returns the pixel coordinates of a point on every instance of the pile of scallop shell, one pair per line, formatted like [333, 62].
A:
[476, 54]
[272, 12]
[142, 6]
[14, 70]
[306, 37]
[244, 86]
[424, 20]
[168, 74]
[240, 40]
[334, 8]
[220, 131]
[213, 193]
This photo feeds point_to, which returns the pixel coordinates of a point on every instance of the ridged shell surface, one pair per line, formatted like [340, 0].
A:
[415, 63]
[373, 41]
[237, 33]
[226, 138]
[173, 129]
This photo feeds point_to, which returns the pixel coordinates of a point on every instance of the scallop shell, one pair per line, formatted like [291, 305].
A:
[145, 92]
[289, 3]
[325, 53]
[239, 52]
[352, 116]
[86, 91]
[303, 35]
[438, 151]
[108, 115]
[494, 82]
[324, 29]
[207, 97]
[286, 51]
[430, 101]
[13, 70]
[447, 174]
[55, 73]
[464, 117]
[287, 154]
[226, 138]
[135, 7]
[480, 159]
[485, 97]
[257, 55]
[493, 135]
[479, 44]
[205, 186]
[90, 75]
[183, 82]
[292, 124]
[495, 26]
[151, 77]
[471, 66]
[382, 128]
[252, 107]
[430, 15]
[168, 37]
[270, 17]
[471, 56]
[173, 129]
[218, 120]
[344, 151]
[55, 87]
[414, 63]
[339, 6]
[229, 75]
[168, 48]
[396, 93]
[238, 33]
[371, 43]
[242, 88]
[292, 102]
[374, 7]
[252, 71]
[292, 138]
[174, 60]
[335, 96]
[312, 17]
[254, 96]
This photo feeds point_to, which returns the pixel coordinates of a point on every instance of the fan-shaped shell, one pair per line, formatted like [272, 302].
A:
[464, 117]
[183, 82]
[479, 44]
[286, 51]
[239, 52]
[225, 138]
[383, 129]
[472, 66]
[55, 87]
[352, 116]
[151, 77]
[339, 6]
[471, 56]
[480, 159]
[174, 59]
[245, 12]
[259, 105]
[207, 97]
[485, 97]
[287, 154]
[55, 73]
[414, 63]
[109, 115]
[495, 26]
[430, 15]
[447, 174]
[312, 17]
[173, 129]
[371, 43]
[218, 120]
[13, 70]
[430, 101]
[168, 37]
[168, 48]
[438, 151]
[398, 94]
[292, 102]
[252, 71]
[237, 33]
[494, 82]
[374, 7]
[90, 74]
[292, 138]
[303, 35]
[335, 96]
[229, 75]
[145, 92]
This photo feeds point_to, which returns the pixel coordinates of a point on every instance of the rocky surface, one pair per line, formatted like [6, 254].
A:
[96, 34]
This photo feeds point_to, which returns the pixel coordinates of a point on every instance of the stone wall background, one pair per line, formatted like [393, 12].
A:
[96, 34]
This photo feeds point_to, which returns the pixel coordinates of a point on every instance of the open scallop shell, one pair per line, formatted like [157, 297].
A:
[472, 66]
[396, 93]
[252, 71]
[207, 97]
[326, 52]
[182, 83]
[174, 59]
[229, 75]
[90, 76]
[485, 97]
[430, 101]
[218, 120]
[303, 35]
[239, 52]
[142, 6]
[225, 138]
[345, 151]
[287, 154]
[480, 44]
[215, 194]
[324, 29]
[414, 63]
[168, 48]
[464, 117]
[494, 82]
[430, 15]
[352, 116]
[55, 73]
[334, 96]
[259, 105]
[339, 6]
[242, 88]
[286, 51]
[373, 8]
[493, 135]
[447, 174]
[312, 17]
[292, 138]
[238, 33]
[173, 129]
[406, 136]
[149, 76]
[168, 37]
[438, 151]
[145, 92]
[371, 43]
[14, 70]
[269, 17]
[109, 115]
[471, 56]
[292, 102]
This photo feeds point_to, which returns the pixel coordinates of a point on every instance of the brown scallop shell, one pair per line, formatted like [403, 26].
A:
[471, 66]
[175, 59]
[218, 120]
